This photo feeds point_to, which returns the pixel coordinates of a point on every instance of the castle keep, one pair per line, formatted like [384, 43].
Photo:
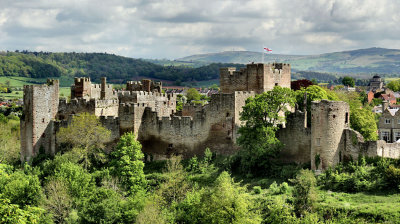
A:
[255, 77]
[152, 117]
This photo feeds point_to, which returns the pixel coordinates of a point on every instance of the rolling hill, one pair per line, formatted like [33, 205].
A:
[370, 60]
[116, 68]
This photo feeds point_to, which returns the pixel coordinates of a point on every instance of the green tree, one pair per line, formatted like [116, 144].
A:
[225, 202]
[127, 163]
[20, 188]
[394, 85]
[192, 94]
[304, 192]
[348, 81]
[363, 121]
[12, 213]
[87, 133]
[151, 213]
[58, 201]
[9, 140]
[314, 93]
[101, 206]
[78, 180]
[214, 86]
[260, 115]
[176, 185]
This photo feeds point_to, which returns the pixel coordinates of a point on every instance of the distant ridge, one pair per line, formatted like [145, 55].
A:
[370, 60]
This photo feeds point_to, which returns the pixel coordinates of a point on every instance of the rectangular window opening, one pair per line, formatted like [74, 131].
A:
[318, 142]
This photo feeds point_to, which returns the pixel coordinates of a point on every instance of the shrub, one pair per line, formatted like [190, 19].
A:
[257, 189]
[304, 192]
[392, 175]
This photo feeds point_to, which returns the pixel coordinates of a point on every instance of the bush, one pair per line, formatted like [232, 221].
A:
[367, 174]
[392, 175]
[257, 189]
[20, 188]
[304, 192]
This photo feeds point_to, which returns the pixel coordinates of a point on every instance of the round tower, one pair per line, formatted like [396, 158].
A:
[328, 120]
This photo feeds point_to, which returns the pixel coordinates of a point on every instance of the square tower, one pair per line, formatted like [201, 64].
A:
[37, 123]
[255, 77]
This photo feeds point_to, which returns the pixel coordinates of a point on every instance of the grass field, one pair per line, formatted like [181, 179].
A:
[202, 83]
[370, 205]
[17, 84]
[390, 79]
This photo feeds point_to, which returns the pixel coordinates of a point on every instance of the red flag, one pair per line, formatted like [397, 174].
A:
[267, 49]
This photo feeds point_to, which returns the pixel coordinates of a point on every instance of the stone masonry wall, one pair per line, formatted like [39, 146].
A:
[296, 139]
[39, 112]
[214, 127]
[255, 77]
[328, 120]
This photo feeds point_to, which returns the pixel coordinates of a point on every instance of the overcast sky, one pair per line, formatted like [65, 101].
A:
[178, 28]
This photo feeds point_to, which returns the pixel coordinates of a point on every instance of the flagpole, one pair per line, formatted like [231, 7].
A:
[262, 53]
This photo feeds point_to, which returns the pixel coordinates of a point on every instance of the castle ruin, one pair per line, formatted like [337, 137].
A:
[152, 117]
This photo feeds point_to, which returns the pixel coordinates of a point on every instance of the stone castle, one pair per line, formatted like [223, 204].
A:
[151, 115]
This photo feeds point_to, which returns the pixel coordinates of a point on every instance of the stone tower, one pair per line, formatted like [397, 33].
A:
[255, 77]
[37, 123]
[328, 120]
[81, 88]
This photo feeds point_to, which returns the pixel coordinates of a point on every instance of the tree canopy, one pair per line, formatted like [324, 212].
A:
[261, 115]
[348, 81]
[86, 133]
[394, 85]
[127, 163]
[193, 94]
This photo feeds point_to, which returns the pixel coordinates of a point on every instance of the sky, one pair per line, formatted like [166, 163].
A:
[176, 28]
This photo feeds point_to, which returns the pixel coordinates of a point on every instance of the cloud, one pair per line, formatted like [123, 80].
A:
[177, 28]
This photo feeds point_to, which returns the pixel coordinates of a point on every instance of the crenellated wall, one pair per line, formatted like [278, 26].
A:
[145, 85]
[83, 88]
[151, 115]
[107, 107]
[213, 125]
[255, 77]
[296, 139]
[112, 124]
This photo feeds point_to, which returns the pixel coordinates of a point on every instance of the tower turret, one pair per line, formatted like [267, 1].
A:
[328, 120]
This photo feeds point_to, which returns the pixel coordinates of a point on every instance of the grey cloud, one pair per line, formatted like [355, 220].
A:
[176, 28]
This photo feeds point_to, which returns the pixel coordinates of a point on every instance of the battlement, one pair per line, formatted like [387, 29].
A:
[79, 80]
[144, 85]
[255, 77]
[108, 119]
[52, 82]
[244, 93]
[130, 108]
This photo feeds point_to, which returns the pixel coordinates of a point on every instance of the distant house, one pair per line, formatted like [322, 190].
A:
[371, 96]
[212, 91]
[388, 97]
[174, 89]
[348, 89]
[389, 124]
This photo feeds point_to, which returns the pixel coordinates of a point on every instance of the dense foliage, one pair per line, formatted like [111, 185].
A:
[86, 184]
[95, 65]
[348, 81]
[261, 115]
[394, 85]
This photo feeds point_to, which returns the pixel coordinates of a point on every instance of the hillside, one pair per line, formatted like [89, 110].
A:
[371, 60]
[117, 69]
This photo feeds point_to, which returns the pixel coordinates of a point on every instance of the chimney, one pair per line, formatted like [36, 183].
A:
[385, 105]
[103, 88]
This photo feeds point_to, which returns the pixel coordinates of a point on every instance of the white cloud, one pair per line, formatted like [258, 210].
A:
[176, 28]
